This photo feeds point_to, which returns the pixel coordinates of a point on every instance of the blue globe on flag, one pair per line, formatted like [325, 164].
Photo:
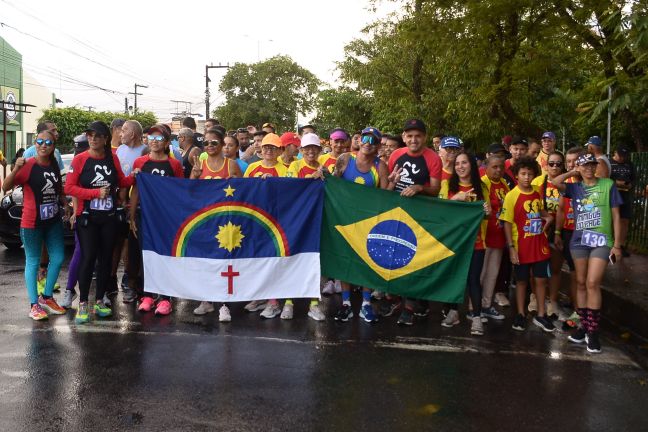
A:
[391, 244]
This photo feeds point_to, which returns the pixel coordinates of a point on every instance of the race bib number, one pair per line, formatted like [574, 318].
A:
[535, 226]
[48, 211]
[101, 204]
[593, 239]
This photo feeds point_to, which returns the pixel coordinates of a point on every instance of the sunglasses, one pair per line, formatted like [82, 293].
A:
[369, 139]
[156, 138]
[47, 142]
[212, 143]
[554, 164]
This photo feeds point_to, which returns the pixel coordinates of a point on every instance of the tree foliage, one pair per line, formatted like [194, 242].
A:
[482, 69]
[343, 107]
[73, 121]
[272, 90]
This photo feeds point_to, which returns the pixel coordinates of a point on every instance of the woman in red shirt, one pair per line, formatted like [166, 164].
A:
[41, 222]
[94, 178]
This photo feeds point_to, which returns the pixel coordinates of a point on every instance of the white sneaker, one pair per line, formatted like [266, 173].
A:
[328, 288]
[452, 319]
[271, 310]
[68, 298]
[477, 328]
[338, 286]
[287, 311]
[533, 304]
[315, 313]
[501, 300]
[377, 295]
[224, 314]
[255, 305]
[203, 308]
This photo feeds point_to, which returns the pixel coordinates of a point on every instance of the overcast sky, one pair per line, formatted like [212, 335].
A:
[166, 44]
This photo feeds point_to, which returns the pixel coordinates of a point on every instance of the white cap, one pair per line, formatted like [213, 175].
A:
[310, 139]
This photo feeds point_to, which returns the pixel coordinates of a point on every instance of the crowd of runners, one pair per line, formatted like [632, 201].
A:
[542, 208]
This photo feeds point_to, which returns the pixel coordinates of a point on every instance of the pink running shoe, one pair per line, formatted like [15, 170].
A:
[146, 304]
[163, 307]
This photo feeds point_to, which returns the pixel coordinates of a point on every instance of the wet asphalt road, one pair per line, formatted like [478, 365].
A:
[187, 373]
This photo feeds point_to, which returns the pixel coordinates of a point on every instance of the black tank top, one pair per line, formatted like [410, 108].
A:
[186, 165]
[97, 173]
[45, 183]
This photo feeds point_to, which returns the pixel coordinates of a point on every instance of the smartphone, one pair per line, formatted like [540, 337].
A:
[612, 259]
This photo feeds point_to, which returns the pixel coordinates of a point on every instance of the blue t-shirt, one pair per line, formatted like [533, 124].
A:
[127, 156]
[31, 152]
[593, 225]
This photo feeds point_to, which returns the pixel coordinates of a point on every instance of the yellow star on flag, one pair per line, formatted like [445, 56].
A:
[229, 191]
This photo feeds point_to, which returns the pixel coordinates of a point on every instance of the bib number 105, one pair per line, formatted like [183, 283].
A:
[105, 204]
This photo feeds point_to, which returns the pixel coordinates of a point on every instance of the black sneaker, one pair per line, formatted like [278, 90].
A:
[577, 337]
[421, 310]
[112, 289]
[406, 317]
[519, 322]
[387, 307]
[343, 314]
[129, 295]
[544, 323]
[593, 343]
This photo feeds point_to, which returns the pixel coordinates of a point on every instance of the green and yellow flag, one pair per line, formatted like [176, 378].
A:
[416, 247]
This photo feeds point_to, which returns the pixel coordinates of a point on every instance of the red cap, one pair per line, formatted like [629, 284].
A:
[290, 138]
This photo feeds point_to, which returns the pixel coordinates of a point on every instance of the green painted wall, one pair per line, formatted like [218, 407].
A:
[11, 79]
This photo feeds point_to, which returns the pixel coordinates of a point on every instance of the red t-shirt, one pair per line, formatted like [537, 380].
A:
[88, 174]
[508, 175]
[417, 169]
[41, 192]
[445, 175]
[497, 191]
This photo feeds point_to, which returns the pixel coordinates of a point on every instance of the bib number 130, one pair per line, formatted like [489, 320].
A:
[593, 239]
[48, 211]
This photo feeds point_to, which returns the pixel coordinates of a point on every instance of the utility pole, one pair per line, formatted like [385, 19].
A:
[126, 105]
[207, 81]
[10, 109]
[137, 94]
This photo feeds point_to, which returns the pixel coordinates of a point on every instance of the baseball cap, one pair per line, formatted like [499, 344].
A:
[99, 128]
[118, 122]
[270, 125]
[519, 140]
[496, 148]
[506, 139]
[370, 130]
[339, 134]
[587, 158]
[309, 139]
[450, 142]
[415, 124]
[623, 150]
[290, 138]
[549, 135]
[161, 130]
[595, 140]
[271, 139]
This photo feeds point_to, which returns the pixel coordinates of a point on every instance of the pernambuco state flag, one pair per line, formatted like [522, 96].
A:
[231, 240]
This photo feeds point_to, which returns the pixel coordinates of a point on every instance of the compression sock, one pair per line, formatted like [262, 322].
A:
[346, 297]
[366, 297]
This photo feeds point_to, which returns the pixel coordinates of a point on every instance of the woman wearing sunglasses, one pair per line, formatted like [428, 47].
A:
[94, 178]
[41, 222]
[551, 200]
[215, 166]
[595, 202]
[157, 162]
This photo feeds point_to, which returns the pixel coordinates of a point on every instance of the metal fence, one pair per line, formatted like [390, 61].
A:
[638, 232]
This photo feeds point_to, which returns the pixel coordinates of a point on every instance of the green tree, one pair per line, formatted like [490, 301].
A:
[342, 107]
[273, 90]
[72, 121]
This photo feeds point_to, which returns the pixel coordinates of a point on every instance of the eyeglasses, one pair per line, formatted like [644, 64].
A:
[156, 138]
[554, 164]
[212, 143]
[369, 139]
[47, 142]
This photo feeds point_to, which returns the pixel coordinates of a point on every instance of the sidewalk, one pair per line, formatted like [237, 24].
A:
[625, 294]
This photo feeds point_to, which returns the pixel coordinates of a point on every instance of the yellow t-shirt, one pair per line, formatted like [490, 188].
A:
[300, 169]
[256, 169]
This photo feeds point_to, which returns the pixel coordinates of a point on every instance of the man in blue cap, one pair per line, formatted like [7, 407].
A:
[594, 145]
[548, 142]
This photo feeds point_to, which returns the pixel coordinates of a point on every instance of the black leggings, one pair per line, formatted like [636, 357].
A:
[474, 286]
[97, 240]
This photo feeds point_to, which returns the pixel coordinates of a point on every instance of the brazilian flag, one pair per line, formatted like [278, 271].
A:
[416, 247]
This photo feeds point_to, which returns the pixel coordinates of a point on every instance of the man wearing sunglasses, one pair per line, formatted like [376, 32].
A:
[50, 127]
